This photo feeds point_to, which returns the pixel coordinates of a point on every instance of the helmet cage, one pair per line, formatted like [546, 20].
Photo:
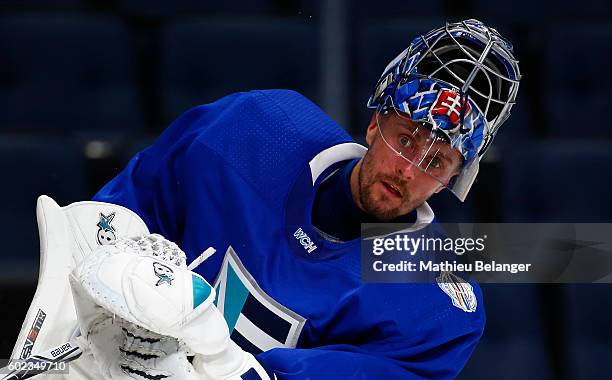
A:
[471, 60]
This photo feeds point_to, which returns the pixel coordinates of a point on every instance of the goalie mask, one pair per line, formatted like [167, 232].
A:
[440, 102]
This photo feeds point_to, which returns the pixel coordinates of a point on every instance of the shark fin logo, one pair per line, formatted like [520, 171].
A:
[106, 232]
[256, 321]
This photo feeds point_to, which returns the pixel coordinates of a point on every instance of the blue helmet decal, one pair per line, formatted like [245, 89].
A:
[442, 106]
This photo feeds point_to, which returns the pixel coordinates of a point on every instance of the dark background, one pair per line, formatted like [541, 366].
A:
[84, 84]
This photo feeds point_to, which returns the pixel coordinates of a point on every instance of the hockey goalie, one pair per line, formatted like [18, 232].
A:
[121, 306]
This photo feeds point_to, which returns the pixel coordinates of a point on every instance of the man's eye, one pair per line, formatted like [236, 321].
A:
[405, 141]
[436, 163]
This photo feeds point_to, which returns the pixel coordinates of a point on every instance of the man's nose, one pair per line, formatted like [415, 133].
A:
[406, 169]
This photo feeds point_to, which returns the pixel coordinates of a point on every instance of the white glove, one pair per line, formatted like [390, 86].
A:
[142, 315]
[67, 235]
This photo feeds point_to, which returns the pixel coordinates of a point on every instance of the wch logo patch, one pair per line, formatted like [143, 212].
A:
[304, 240]
[256, 321]
[106, 232]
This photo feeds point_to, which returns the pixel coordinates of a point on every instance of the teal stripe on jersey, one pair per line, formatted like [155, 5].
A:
[235, 296]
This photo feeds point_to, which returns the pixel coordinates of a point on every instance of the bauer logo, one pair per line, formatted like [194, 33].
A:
[304, 240]
[164, 273]
[106, 232]
[33, 334]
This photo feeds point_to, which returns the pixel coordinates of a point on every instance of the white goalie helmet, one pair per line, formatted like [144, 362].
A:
[453, 87]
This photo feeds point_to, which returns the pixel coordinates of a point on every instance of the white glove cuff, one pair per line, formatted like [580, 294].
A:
[229, 364]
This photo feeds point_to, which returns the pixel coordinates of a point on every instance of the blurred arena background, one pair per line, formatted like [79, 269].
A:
[84, 84]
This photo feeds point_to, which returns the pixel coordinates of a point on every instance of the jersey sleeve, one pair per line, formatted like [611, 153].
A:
[383, 336]
[153, 184]
[258, 134]
[148, 184]
[442, 361]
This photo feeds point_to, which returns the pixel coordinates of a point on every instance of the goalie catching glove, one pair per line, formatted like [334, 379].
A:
[143, 312]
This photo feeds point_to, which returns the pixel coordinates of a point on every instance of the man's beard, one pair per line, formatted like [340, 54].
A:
[366, 196]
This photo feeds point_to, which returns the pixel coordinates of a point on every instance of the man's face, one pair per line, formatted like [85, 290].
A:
[387, 185]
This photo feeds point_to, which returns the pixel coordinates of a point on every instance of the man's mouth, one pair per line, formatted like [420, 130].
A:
[392, 189]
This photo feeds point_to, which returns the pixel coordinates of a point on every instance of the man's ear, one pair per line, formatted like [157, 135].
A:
[371, 131]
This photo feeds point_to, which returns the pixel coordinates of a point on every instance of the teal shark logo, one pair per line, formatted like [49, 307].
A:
[164, 273]
[106, 232]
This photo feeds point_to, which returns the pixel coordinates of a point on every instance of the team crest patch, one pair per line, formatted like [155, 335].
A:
[164, 273]
[106, 231]
[450, 104]
[257, 322]
[460, 291]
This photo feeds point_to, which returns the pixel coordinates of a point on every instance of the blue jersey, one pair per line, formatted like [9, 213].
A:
[240, 175]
